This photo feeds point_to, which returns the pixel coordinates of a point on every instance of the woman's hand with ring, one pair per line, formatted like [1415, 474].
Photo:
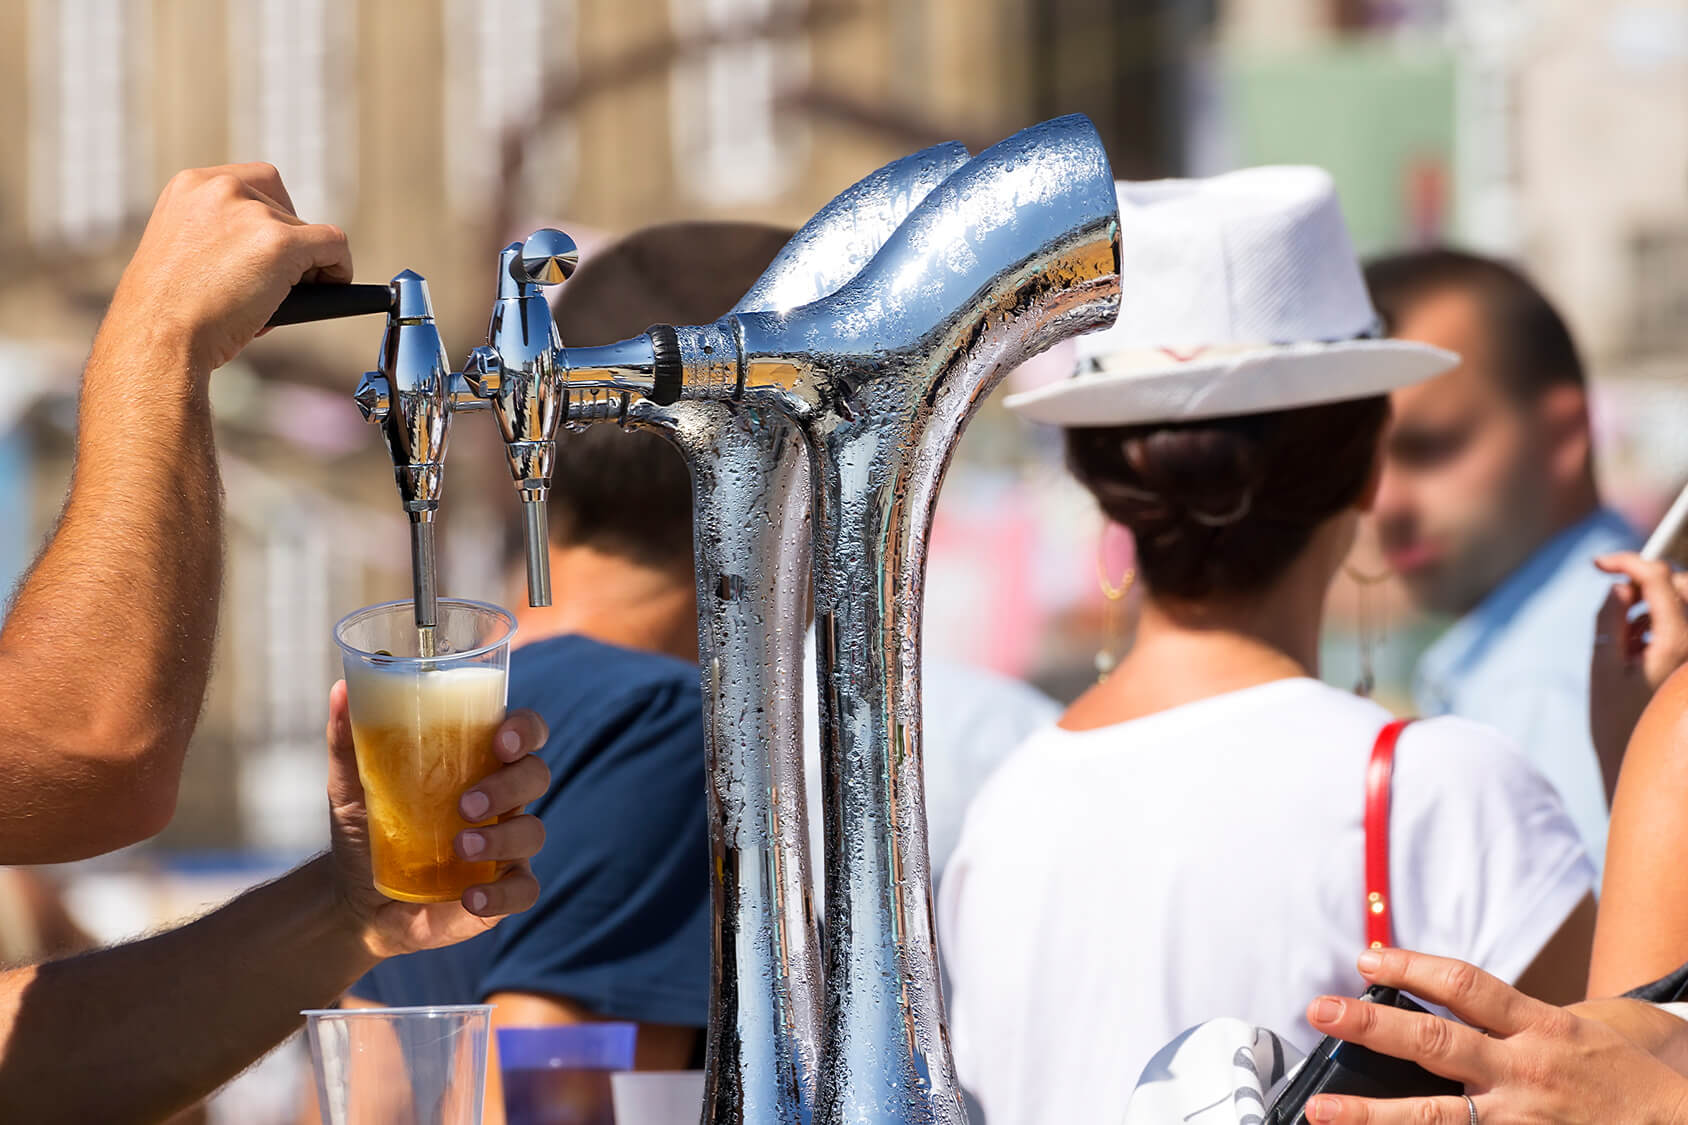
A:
[1537, 1063]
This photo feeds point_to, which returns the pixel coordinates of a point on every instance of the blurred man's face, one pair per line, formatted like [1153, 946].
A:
[1464, 497]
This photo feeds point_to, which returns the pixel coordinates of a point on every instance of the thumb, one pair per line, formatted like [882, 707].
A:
[344, 785]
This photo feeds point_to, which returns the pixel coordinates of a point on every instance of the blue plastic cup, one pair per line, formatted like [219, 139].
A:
[561, 1075]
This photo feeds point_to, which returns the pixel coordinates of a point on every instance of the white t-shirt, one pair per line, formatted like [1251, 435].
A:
[973, 720]
[1115, 887]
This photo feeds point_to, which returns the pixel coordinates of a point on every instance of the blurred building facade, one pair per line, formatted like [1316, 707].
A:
[1561, 127]
[432, 129]
[435, 130]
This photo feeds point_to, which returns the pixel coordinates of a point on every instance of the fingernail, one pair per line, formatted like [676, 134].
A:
[1321, 1109]
[1327, 1009]
[1370, 962]
[472, 843]
[475, 805]
[476, 900]
[509, 741]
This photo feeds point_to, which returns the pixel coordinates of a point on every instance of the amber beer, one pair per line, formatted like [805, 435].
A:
[422, 738]
[423, 730]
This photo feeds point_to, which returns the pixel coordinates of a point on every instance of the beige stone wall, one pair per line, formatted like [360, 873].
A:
[1602, 150]
[947, 62]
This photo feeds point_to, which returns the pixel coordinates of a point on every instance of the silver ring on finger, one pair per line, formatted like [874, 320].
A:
[1471, 1108]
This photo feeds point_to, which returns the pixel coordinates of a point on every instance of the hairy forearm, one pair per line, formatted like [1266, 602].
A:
[104, 657]
[153, 1026]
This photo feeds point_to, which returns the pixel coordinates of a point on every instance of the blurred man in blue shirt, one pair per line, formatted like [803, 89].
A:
[1489, 512]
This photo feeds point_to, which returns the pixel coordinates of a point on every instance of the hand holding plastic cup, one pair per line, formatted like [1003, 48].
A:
[423, 729]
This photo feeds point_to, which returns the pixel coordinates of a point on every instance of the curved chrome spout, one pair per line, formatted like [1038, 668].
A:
[864, 392]
[751, 489]
[847, 391]
[1017, 250]
[833, 246]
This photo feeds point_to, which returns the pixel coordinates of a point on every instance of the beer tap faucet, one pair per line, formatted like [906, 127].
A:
[515, 373]
[412, 396]
[413, 393]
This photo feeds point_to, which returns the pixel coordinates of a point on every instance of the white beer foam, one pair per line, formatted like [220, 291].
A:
[412, 696]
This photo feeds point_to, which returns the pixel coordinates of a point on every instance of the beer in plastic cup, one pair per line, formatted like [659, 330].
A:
[423, 728]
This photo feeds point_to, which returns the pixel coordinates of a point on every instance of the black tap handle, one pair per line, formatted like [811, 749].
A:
[326, 300]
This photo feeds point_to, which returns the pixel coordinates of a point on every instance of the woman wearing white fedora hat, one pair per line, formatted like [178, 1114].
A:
[1191, 840]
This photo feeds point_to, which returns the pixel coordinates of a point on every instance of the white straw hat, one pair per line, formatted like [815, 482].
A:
[1241, 294]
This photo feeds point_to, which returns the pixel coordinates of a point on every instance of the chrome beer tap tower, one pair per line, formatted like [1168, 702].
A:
[818, 418]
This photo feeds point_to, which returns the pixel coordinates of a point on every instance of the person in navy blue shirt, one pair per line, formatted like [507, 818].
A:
[622, 927]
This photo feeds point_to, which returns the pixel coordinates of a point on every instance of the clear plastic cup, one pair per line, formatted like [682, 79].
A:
[423, 728]
[400, 1066]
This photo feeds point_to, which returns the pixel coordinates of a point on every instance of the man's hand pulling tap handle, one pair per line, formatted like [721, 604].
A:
[415, 393]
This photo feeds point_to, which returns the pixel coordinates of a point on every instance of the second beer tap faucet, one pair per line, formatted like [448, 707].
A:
[516, 373]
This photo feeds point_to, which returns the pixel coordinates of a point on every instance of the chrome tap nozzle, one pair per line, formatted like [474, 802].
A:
[516, 374]
[410, 396]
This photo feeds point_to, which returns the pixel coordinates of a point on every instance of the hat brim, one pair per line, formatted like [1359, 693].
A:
[1273, 378]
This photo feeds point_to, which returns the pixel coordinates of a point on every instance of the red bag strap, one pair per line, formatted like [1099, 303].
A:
[1379, 774]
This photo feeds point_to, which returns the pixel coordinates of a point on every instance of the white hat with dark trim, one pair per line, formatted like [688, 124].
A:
[1241, 294]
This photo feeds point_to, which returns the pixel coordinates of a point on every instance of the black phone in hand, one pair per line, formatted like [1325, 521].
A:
[1338, 1067]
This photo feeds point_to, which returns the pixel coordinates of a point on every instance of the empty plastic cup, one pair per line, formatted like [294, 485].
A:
[561, 1075]
[400, 1066]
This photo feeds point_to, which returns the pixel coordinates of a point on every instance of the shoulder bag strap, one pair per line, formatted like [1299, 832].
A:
[1379, 929]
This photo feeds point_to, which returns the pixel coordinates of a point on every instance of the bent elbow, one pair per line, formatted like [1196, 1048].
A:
[135, 771]
[126, 807]
[147, 812]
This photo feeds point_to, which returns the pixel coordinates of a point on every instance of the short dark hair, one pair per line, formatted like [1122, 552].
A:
[629, 492]
[1221, 507]
[1533, 349]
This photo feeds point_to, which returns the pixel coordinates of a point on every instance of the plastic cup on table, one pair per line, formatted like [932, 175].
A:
[657, 1097]
[561, 1075]
[400, 1066]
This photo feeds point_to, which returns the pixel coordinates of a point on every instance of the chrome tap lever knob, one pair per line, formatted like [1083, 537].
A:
[483, 372]
[373, 396]
[466, 391]
[548, 257]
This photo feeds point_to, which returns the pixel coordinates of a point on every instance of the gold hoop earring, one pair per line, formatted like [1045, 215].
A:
[1113, 602]
[1369, 628]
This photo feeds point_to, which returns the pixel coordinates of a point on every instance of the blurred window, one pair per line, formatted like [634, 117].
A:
[491, 88]
[293, 96]
[1123, 65]
[90, 135]
[732, 143]
[1659, 261]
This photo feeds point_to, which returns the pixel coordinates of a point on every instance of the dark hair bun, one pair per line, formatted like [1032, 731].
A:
[1223, 506]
